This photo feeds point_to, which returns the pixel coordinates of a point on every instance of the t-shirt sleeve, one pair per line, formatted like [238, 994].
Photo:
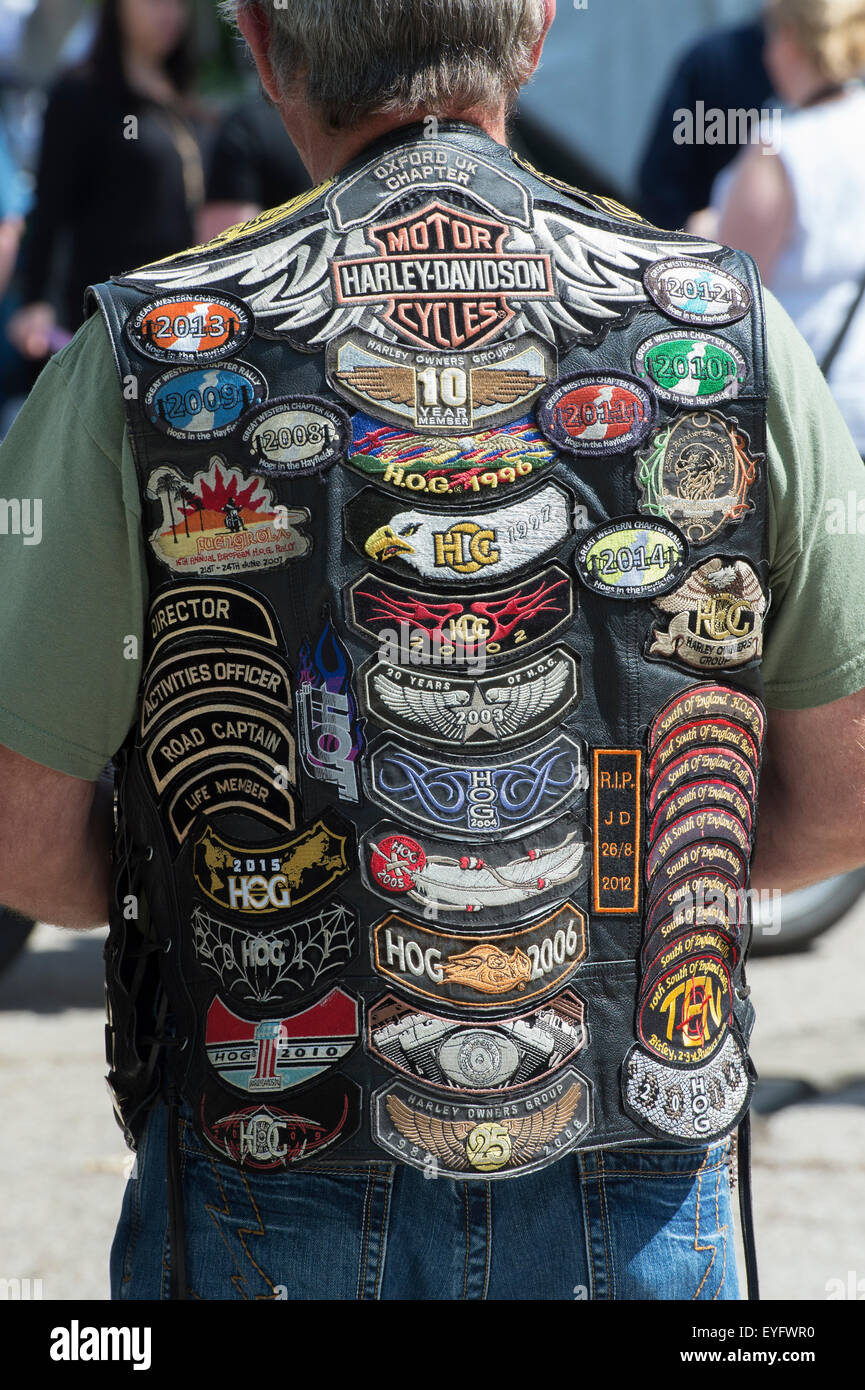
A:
[73, 581]
[814, 650]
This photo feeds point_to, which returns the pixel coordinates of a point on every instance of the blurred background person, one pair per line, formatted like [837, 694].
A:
[120, 175]
[253, 165]
[801, 211]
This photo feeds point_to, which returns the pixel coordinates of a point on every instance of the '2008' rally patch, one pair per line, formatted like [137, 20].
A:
[595, 415]
[295, 437]
[203, 405]
[198, 329]
[278, 1053]
[632, 558]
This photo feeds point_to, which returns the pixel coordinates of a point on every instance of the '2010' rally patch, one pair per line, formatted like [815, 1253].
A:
[692, 369]
[198, 329]
[278, 1053]
[596, 415]
[203, 405]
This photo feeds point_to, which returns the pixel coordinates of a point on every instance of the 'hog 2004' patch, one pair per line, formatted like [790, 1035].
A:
[411, 628]
[489, 796]
[697, 292]
[278, 1053]
[596, 415]
[221, 522]
[295, 437]
[498, 1055]
[327, 723]
[457, 711]
[701, 1104]
[203, 405]
[442, 467]
[267, 1137]
[716, 618]
[484, 1139]
[451, 883]
[198, 329]
[448, 394]
[464, 548]
[260, 881]
[632, 558]
[691, 369]
[697, 472]
[481, 972]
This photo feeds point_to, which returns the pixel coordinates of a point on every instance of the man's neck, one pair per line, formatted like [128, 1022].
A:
[325, 152]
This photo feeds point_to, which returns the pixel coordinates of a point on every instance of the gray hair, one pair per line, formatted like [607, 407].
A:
[359, 58]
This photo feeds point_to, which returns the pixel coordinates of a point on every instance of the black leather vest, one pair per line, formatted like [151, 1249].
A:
[434, 829]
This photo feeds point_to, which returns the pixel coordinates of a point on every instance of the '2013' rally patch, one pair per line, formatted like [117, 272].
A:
[295, 437]
[632, 558]
[691, 369]
[700, 1104]
[483, 1139]
[205, 404]
[276, 1054]
[697, 292]
[197, 329]
[596, 415]
[267, 1137]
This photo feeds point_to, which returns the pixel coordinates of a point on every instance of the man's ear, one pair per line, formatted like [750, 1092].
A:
[254, 25]
[549, 16]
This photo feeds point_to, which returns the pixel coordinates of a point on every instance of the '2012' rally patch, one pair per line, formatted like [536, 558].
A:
[295, 437]
[632, 558]
[197, 329]
[204, 404]
[697, 292]
[276, 1054]
[596, 415]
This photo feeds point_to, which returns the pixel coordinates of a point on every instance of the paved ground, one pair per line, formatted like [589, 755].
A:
[62, 1159]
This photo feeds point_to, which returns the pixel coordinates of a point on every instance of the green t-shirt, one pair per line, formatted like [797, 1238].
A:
[72, 602]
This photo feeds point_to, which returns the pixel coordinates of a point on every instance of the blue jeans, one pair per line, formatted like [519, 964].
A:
[647, 1223]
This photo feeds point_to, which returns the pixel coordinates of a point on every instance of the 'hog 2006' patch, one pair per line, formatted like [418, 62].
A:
[716, 618]
[460, 548]
[697, 292]
[488, 796]
[221, 522]
[596, 415]
[701, 1104]
[632, 558]
[448, 394]
[484, 1139]
[481, 972]
[691, 369]
[278, 1053]
[489, 712]
[411, 628]
[260, 881]
[451, 883]
[498, 1055]
[268, 1137]
[203, 405]
[198, 329]
[474, 463]
[327, 722]
[697, 472]
[295, 437]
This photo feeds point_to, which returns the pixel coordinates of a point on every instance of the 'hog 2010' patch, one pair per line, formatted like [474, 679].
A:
[221, 522]
[691, 369]
[295, 437]
[205, 404]
[697, 292]
[596, 415]
[268, 1138]
[700, 1104]
[494, 459]
[486, 1139]
[271, 1055]
[261, 881]
[327, 722]
[632, 558]
[197, 329]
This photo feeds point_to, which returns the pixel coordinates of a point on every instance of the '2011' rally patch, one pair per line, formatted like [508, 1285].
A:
[632, 558]
[197, 329]
[295, 437]
[596, 415]
[276, 1054]
[204, 404]
[691, 369]
[697, 292]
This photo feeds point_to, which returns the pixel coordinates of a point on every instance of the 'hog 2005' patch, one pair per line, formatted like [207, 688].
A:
[485, 1139]
[267, 1137]
[327, 722]
[203, 405]
[691, 369]
[448, 394]
[460, 548]
[498, 1055]
[278, 1053]
[596, 415]
[473, 463]
[260, 881]
[198, 329]
[221, 522]
[489, 796]
[697, 472]
[632, 558]
[697, 292]
[295, 437]
[700, 1104]
[482, 972]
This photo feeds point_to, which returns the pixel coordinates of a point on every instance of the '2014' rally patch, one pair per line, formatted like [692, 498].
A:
[198, 329]
[267, 1137]
[203, 405]
[632, 558]
[596, 415]
[278, 1053]
[295, 437]
[693, 369]
[697, 292]
[702, 1103]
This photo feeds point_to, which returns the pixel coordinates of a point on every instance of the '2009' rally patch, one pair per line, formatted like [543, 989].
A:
[198, 329]
[295, 437]
[596, 415]
[278, 1053]
[266, 1137]
[203, 405]
[632, 558]
[697, 292]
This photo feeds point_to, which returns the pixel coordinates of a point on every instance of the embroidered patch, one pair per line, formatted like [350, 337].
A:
[660, 954]
[684, 1015]
[266, 1138]
[222, 522]
[481, 972]
[696, 899]
[493, 796]
[616, 808]
[217, 610]
[692, 369]
[484, 1139]
[218, 731]
[492, 711]
[246, 786]
[330, 740]
[271, 967]
[203, 405]
[709, 702]
[702, 1104]
[496, 458]
[709, 823]
[597, 415]
[278, 1053]
[476, 547]
[262, 880]
[697, 796]
[632, 558]
[499, 1055]
[447, 393]
[717, 618]
[688, 738]
[701, 858]
[697, 292]
[709, 762]
[697, 472]
[451, 883]
[296, 436]
[201, 673]
[417, 629]
[712, 920]
[199, 328]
